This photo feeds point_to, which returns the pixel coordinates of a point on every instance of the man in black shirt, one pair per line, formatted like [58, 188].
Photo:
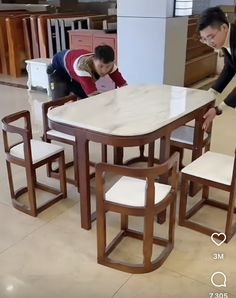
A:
[218, 33]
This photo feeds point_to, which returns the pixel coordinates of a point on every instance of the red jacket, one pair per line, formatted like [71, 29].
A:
[85, 78]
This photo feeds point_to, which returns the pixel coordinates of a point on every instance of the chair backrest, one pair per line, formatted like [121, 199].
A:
[51, 104]
[150, 174]
[8, 126]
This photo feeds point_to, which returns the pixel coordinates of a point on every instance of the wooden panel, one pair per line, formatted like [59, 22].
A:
[199, 68]
[16, 44]
[104, 40]
[196, 52]
[192, 30]
[200, 59]
[78, 41]
[90, 39]
[4, 53]
[34, 36]
[27, 37]
[82, 39]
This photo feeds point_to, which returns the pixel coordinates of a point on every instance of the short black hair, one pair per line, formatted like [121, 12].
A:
[213, 16]
[104, 53]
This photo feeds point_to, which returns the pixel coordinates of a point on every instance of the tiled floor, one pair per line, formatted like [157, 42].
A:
[52, 257]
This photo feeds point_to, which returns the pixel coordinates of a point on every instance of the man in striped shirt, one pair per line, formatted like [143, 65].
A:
[77, 71]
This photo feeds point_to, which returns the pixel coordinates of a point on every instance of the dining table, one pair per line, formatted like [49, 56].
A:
[127, 117]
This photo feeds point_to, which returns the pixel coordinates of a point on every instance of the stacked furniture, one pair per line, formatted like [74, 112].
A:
[27, 35]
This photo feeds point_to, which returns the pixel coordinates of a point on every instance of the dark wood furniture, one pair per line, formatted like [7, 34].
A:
[201, 60]
[210, 170]
[31, 154]
[85, 130]
[136, 194]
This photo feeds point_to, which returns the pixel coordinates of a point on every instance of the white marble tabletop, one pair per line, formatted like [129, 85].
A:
[131, 110]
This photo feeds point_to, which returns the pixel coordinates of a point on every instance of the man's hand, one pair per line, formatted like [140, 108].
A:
[209, 116]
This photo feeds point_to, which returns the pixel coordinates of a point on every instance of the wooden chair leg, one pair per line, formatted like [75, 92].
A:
[31, 178]
[173, 149]
[10, 180]
[101, 232]
[148, 240]
[124, 222]
[183, 200]
[205, 192]
[76, 172]
[62, 172]
[172, 221]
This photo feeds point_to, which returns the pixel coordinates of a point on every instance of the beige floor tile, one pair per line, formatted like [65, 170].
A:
[54, 262]
[15, 226]
[163, 283]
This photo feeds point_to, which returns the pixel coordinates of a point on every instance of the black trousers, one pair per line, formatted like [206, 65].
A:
[62, 85]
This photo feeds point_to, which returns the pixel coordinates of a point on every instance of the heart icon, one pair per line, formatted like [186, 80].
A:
[218, 235]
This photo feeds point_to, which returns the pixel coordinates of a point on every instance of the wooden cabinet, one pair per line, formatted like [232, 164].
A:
[201, 60]
[89, 40]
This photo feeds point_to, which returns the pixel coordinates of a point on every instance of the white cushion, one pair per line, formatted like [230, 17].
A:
[212, 166]
[185, 134]
[131, 192]
[59, 134]
[40, 150]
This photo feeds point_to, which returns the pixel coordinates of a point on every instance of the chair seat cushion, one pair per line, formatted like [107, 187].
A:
[212, 166]
[40, 150]
[58, 134]
[184, 134]
[131, 192]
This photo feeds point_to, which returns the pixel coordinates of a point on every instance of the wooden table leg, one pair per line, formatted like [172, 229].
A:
[164, 155]
[84, 181]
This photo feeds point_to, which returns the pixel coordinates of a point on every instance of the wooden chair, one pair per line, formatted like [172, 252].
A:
[31, 154]
[210, 170]
[183, 137]
[136, 194]
[50, 135]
